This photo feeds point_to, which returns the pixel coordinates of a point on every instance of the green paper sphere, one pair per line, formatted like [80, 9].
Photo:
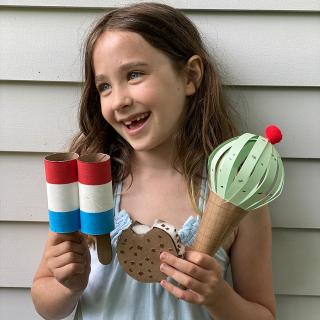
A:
[246, 171]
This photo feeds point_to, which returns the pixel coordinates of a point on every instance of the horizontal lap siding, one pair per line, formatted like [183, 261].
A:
[289, 307]
[54, 115]
[25, 171]
[247, 5]
[21, 244]
[268, 53]
[274, 52]
[16, 303]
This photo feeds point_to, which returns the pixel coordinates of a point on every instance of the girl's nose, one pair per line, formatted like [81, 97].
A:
[121, 99]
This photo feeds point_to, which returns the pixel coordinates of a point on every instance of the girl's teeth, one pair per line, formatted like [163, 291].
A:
[127, 123]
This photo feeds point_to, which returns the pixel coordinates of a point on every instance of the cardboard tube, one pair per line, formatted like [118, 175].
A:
[96, 201]
[62, 192]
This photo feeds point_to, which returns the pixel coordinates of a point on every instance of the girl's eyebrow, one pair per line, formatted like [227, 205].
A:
[129, 65]
[125, 66]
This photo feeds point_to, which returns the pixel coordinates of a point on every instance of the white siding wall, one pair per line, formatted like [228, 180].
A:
[269, 52]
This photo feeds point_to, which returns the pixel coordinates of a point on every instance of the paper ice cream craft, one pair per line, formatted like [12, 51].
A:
[79, 192]
[139, 249]
[245, 173]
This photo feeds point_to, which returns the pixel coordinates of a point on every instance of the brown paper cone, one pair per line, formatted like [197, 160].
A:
[218, 221]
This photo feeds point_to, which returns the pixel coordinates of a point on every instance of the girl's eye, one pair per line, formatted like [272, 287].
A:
[103, 87]
[134, 75]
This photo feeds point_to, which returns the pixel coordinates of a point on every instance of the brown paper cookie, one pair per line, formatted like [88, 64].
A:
[139, 249]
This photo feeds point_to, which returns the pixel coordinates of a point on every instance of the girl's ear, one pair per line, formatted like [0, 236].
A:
[194, 73]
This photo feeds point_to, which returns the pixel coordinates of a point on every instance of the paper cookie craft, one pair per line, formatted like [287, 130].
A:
[80, 198]
[245, 173]
[139, 249]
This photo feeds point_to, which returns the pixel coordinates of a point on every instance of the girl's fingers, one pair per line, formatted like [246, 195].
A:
[56, 238]
[64, 273]
[69, 246]
[182, 265]
[187, 295]
[184, 279]
[66, 258]
[196, 267]
[203, 260]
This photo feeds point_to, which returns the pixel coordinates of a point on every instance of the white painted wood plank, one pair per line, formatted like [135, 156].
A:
[297, 307]
[22, 187]
[21, 247]
[298, 205]
[274, 52]
[43, 117]
[295, 111]
[23, 193]
[16, 303]
[296, 258]
[287, 5]
[296, 261]
[37, 117]
[288, 307]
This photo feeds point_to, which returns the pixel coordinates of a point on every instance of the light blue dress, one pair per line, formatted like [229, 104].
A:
[112, 294]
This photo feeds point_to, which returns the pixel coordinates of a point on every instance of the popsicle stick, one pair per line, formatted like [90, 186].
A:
[104, 248]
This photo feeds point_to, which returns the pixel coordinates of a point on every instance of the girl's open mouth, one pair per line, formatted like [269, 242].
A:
[135, 125]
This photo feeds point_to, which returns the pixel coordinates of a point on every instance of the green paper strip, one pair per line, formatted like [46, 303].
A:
[277, 188]
[230, 167]
[261, 193]
[213, 159]
[218, 173]
[246, 169]
[249, 188]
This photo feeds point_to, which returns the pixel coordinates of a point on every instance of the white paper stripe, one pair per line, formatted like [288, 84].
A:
[63, 197]
[95, 198]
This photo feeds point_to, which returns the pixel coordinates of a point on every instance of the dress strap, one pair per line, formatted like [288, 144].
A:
[203, 191]
[116, 197]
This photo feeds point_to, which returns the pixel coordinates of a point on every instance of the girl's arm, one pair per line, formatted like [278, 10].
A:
[251, 265]
[252, 296]
[62, 275]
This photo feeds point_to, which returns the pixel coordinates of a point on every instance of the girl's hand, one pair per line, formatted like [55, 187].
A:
[199, 273]
[68, 258]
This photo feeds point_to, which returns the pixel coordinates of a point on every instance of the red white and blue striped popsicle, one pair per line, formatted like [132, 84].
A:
[96, 201]
[62, 192]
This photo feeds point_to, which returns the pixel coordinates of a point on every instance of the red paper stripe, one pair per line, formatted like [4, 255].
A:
[94, 173]
[61, 172]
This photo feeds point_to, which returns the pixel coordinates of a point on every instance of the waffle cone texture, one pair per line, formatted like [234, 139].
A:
[218, 221]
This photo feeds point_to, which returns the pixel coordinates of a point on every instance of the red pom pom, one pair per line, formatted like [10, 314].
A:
[273, 134]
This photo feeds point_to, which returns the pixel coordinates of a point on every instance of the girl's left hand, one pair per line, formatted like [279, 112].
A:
[199, 273]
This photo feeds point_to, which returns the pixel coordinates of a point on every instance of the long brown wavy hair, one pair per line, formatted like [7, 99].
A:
[207, 119]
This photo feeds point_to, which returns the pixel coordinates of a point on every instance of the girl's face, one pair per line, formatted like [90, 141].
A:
[142, 96]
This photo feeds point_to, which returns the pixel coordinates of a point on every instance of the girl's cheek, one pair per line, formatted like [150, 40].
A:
[106, 113]
[147, 93]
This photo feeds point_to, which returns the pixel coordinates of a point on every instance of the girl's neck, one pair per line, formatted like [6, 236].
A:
[159, 159]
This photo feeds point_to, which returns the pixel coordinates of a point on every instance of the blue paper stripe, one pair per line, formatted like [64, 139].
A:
[64, 222]
[96, 223]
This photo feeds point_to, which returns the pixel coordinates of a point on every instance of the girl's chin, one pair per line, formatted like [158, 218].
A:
[142, 146]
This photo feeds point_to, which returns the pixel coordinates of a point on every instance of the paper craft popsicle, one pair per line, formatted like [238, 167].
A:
[62, 192]
[96, 201]
[80, 198]
[245, 173]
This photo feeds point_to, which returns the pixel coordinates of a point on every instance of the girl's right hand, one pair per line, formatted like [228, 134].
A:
[68, 258]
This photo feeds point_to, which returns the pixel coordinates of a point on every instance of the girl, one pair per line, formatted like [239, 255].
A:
[152, 99]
